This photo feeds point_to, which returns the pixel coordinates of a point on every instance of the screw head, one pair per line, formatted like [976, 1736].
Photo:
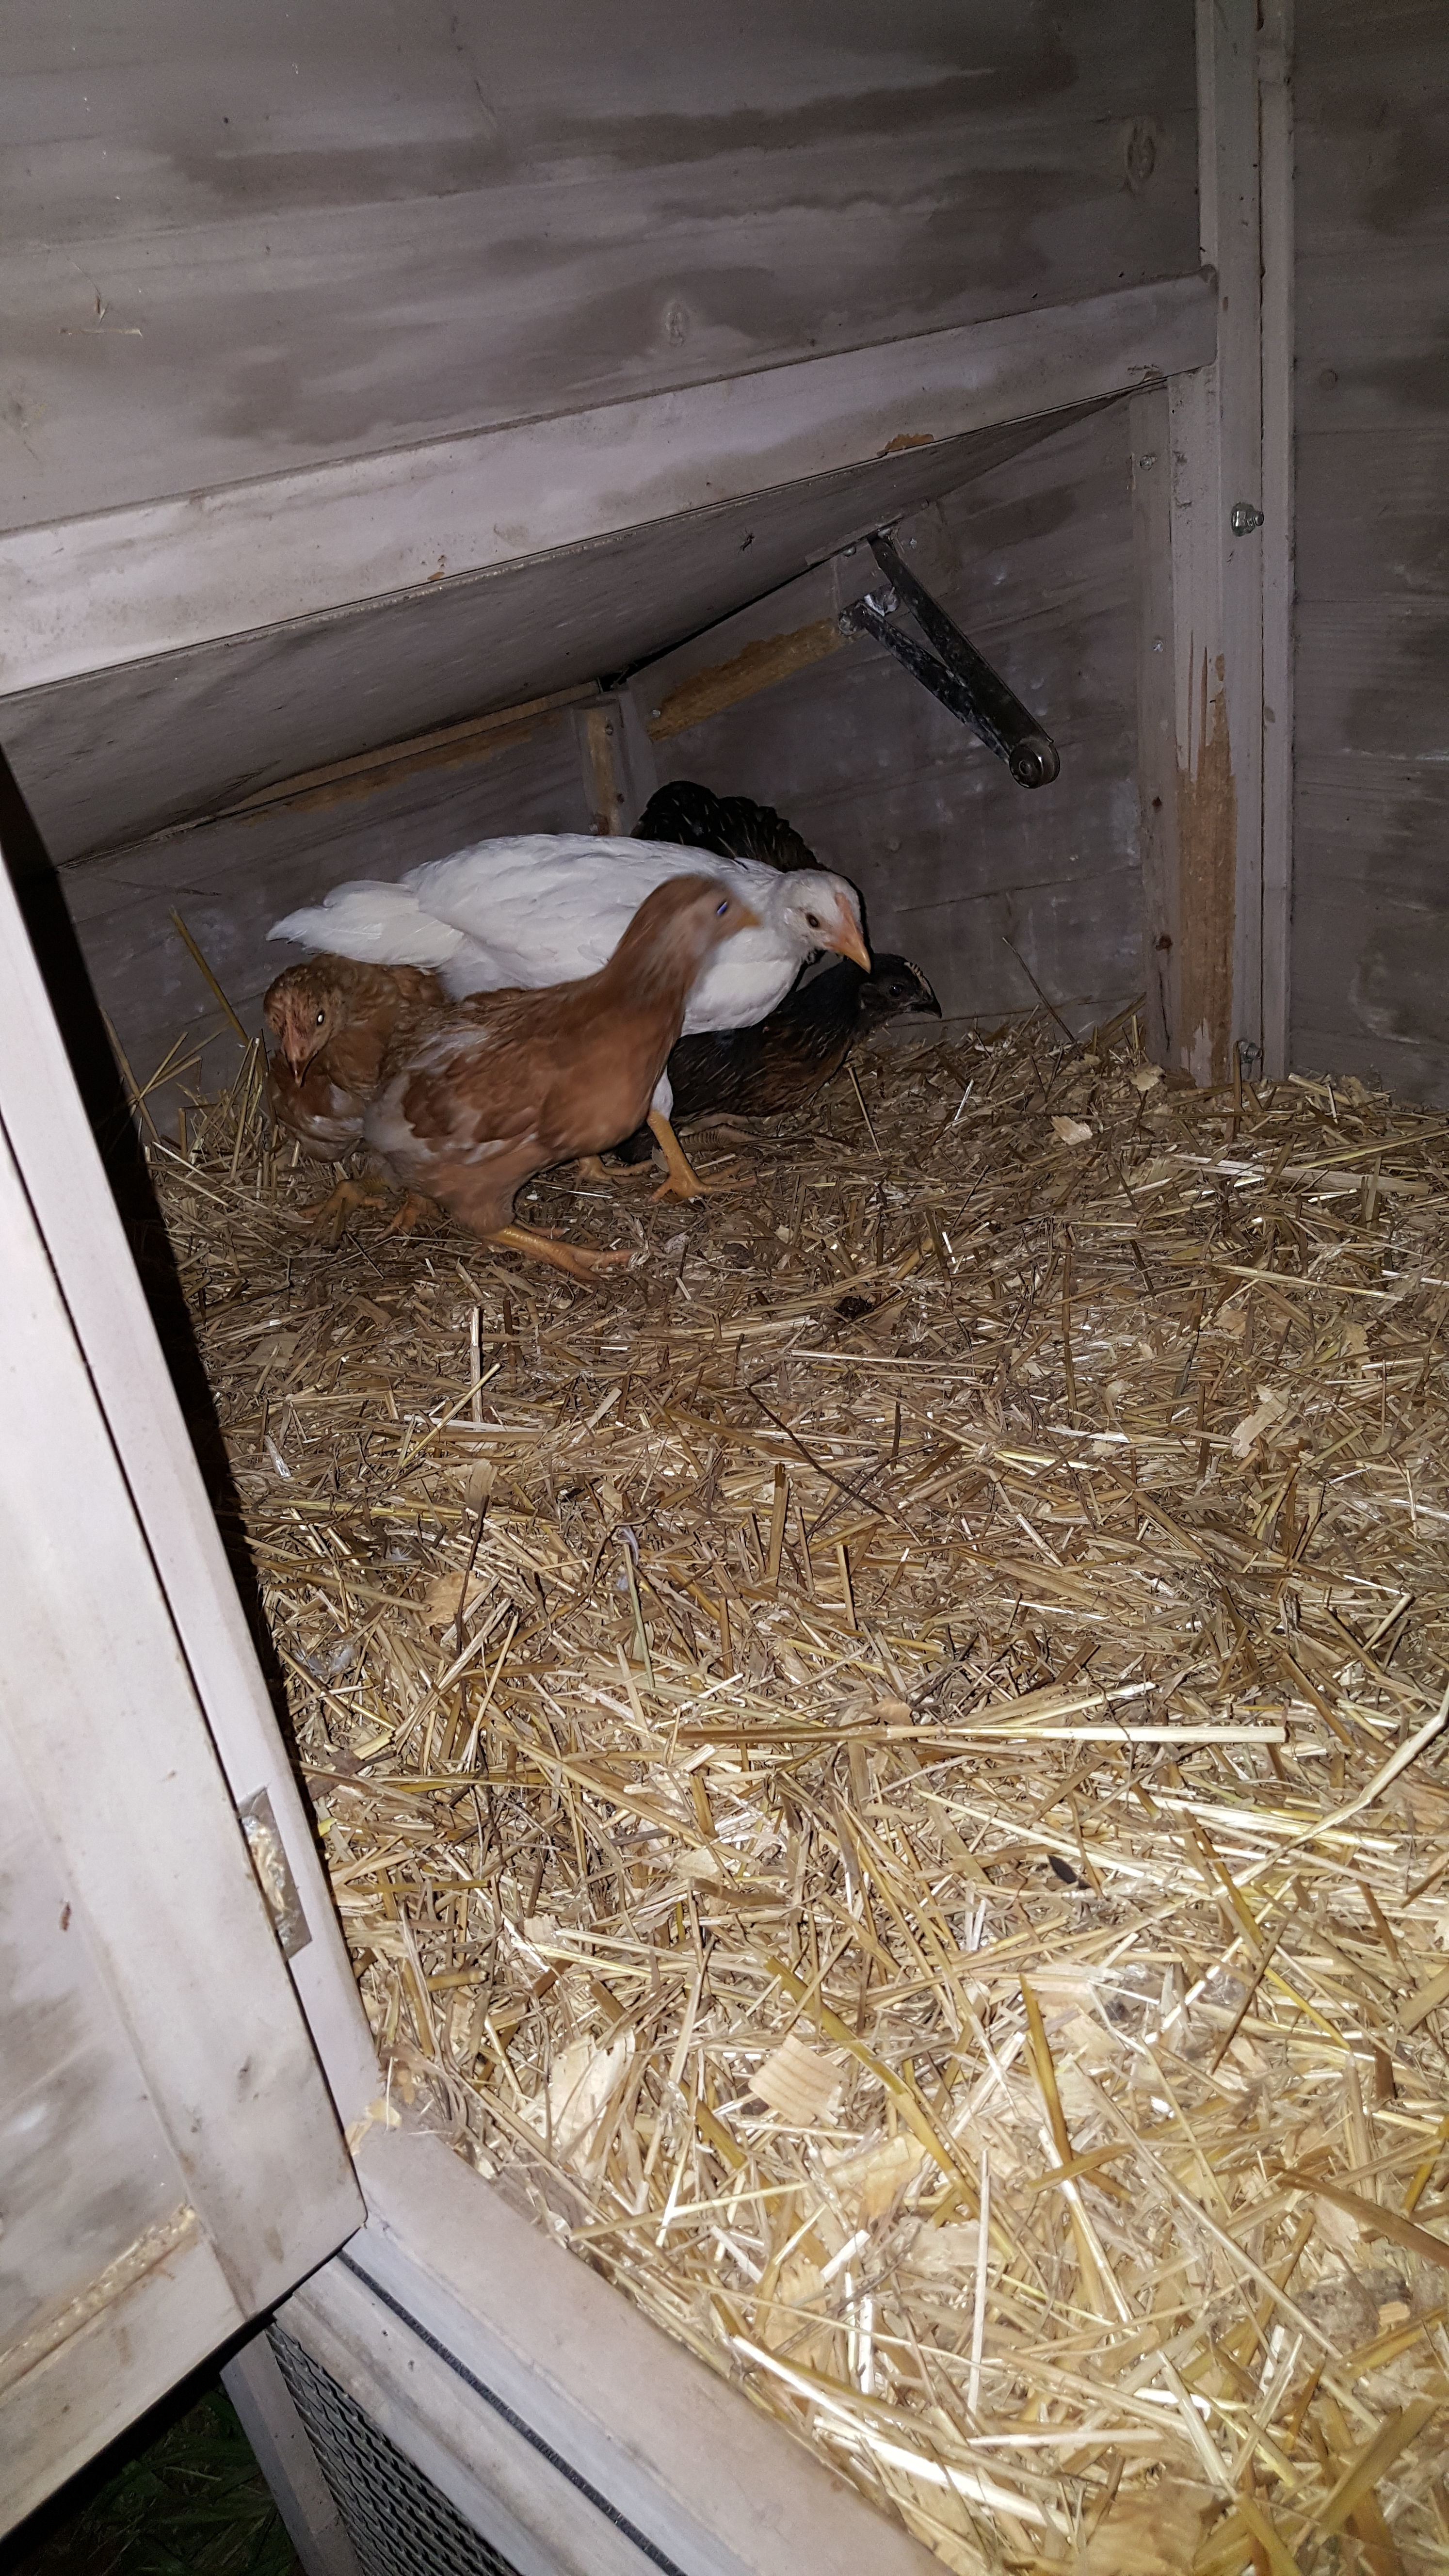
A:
[1245, 519]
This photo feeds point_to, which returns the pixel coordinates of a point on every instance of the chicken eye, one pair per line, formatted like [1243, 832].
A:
[721, 909]
[321, 1020]
[812, 920]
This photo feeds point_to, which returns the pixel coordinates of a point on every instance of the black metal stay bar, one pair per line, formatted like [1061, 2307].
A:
[956, 673]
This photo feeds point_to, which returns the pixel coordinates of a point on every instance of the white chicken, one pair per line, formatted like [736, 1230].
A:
[546, 907]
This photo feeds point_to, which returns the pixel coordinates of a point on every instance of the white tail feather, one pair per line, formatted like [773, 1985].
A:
[382, 925]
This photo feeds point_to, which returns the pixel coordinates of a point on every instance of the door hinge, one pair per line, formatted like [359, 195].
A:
[274, 1873]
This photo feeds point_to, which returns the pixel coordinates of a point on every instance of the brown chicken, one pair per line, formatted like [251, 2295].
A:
[333, 1022]
[493, 1088]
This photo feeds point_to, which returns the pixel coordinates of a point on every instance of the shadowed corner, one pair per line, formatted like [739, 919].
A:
[180, 2488]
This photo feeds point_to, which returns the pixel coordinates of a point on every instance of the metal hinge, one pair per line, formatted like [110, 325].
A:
[274, 1873]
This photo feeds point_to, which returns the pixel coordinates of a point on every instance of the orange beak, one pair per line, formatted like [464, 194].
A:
[848, 942]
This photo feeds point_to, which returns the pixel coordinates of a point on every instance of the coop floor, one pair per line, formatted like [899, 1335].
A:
[881, 1770]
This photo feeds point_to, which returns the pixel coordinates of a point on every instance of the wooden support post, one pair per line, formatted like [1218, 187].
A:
[1149, 418]
[287, 2461]
[618, 761]
[1197, 449]
[1275, 126]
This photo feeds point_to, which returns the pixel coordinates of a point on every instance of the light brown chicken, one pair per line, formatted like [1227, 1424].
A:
[493, 1088]
[333, 1021]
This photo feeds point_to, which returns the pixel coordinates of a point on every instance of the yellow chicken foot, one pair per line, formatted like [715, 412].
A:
[575, 1258]
[684, 1181]
[414, 1209]
[592, 1167]
[334, 1209]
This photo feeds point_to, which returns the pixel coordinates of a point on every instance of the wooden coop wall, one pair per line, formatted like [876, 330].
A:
[248, 244]
[955, 860]
[316, 326]
[984, 883]
[359, 385]
[1371, 923]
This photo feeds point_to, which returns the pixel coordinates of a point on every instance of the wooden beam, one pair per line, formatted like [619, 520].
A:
[618, 762]
[1200, 592]
[757, 665]
[1150, 437]
[369, 770]
[159, 576]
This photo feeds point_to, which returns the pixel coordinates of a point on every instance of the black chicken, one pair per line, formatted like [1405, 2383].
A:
[732, 827]
[784, 1060]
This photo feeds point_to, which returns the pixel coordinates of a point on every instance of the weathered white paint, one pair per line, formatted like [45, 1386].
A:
[66, 1185]
[242, 242]
[170, 2161]
[86, 594]
[110, 755]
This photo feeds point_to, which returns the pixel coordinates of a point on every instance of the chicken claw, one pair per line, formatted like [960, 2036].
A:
[334, 1209]
[579, 1260]
[592, 1167]
[683, 1181]
[414, 1209]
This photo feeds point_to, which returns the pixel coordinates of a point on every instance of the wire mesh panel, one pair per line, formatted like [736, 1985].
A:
[396, 2519]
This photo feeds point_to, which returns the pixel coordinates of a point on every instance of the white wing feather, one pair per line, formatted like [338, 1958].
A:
[554, 905]
[547, 907]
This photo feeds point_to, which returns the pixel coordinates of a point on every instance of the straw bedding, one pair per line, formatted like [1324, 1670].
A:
[882, 1771]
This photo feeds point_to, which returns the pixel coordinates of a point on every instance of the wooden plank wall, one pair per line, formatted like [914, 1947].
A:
[239, 242]
[111, 756]
[231, 879]
[1371, 906]
[1035, 562]
[955, 860]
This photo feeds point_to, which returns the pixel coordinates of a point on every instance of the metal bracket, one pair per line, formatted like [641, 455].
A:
[274, 1873]
[955, 672]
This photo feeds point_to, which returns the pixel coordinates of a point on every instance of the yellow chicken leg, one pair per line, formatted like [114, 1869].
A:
[684, 1181]
[576, 1258]
[592, 1167]
[414, 1209]
[334, 1209]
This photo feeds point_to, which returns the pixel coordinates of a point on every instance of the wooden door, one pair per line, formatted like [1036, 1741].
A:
[171, 2159]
